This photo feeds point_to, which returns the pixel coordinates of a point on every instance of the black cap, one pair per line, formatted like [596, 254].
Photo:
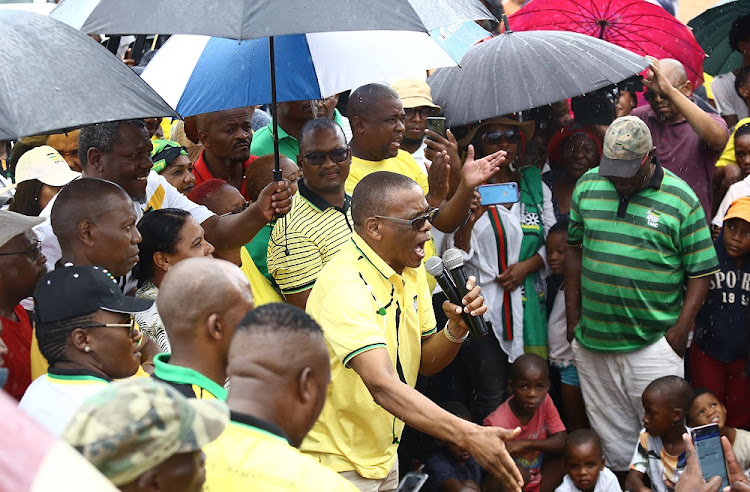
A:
[72, 291]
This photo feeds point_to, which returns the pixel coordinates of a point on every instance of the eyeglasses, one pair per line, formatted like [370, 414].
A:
[424, 112]
[319, 158]
[130, 326]
[496, 136]
[417, 223]
[35, 252]
[238, 210]
[652, 96]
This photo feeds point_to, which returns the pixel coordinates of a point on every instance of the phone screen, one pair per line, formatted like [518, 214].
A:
[707, 440]
[501, 193]
[437, 125]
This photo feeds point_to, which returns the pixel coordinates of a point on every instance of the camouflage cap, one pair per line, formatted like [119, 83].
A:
[626, 144]
[135, 425]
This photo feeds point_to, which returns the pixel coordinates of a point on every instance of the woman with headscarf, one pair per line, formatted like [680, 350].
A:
[169, 235]
[573, 150]
[171, 160]
[503, 246]
[85, 330]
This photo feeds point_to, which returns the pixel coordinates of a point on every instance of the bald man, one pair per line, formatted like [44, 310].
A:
[688, 140]
[275, 397]
[200, 301]
[226, 137]
[377, 119]
[94, 222]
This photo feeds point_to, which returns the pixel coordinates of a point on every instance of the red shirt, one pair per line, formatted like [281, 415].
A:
[201, 172]
[17, 336]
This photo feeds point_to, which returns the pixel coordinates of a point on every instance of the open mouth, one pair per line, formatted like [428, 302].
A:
[419, 249]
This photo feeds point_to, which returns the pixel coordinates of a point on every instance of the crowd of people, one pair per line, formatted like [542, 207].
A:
[185, 322]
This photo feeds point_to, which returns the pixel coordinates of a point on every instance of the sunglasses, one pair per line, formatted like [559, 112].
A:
[319, 158]
[652, 96]
[417, 223]
[496, 136]
[238, 210]
[35, 252]
[130, 326]
[424, 112]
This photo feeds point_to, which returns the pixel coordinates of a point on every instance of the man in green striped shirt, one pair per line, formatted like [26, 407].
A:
[638, 268]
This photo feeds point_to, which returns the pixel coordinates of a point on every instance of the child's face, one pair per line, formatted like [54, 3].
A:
[456, 452]
[737, 237]
[557, 244]
[659, 416]
[707, 409]
[742, 153]
[585, 462]
[290, 171]
[530, 389]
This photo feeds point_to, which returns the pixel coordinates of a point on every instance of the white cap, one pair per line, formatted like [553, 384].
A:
[45, 164]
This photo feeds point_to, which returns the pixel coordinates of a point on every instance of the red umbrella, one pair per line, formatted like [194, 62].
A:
[636, 25]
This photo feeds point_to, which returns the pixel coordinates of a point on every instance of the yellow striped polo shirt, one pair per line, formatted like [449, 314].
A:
[313, 232]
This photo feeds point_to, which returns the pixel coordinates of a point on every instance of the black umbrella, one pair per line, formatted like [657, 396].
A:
[516, 71]
[250, 19]
[55, 78]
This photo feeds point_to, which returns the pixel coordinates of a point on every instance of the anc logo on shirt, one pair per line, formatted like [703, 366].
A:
[652, 218]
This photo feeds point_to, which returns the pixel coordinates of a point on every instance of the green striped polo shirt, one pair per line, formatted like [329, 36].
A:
[636, 254]
[314, 231]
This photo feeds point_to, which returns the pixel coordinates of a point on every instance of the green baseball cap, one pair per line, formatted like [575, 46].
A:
[137, 424]
[626, 144]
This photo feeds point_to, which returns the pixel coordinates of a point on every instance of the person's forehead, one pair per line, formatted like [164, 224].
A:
[324, 139]
[386, 105]
[287, 165]
[409, 202]
[230, 116]
[61, 139]
[131, 136]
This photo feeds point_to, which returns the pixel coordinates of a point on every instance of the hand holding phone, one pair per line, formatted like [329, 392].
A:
[499, 193]
[437, 125]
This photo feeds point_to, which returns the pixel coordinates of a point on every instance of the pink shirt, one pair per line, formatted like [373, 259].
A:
[545, 422]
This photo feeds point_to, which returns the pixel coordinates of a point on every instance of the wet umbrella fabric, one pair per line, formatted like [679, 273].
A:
[199, 74]
[711, 30]
[516, 71]
[55, 79]
[636, 25]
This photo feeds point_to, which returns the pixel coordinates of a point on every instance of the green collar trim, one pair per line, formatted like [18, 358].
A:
[184, 375]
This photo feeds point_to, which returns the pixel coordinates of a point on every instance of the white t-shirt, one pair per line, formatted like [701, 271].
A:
[52, 400]
[726, 97]
[737, 190]
[741, 448]
[560, 352]
[607, 482]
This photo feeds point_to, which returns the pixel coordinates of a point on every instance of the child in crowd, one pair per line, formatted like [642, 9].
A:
[560, 353]
[531, 409]
[718, 355]
[660, 451]
[452, 467]
[707, 409]
[740, 141]
[584, 462]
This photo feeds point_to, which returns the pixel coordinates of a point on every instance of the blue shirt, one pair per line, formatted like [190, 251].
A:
[440, 467]
[720, 325]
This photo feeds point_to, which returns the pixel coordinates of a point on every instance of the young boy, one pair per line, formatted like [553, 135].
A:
[718, 355]
[707, 409]
[531, 409]
[660, 452]
[560, 354]
[452, 467]
[584, 461]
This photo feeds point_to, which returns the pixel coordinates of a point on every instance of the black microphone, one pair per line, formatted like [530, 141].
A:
[454, 262]
[434, 266]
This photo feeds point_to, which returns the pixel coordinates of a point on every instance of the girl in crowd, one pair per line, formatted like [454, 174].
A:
[169, 236]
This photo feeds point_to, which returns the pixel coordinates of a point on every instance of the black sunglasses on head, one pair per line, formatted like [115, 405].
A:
[496, 136]
[318, 158]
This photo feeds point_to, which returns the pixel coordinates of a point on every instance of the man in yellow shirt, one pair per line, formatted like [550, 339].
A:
[275, 397]
[375, 309]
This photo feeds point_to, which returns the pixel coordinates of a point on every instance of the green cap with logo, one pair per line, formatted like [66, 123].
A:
[626, 144]
[137, 424]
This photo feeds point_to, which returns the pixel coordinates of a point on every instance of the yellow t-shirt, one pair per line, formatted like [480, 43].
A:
[246, 457]
[404, 164]
[361, 304]
[263, 292]
[727, 157]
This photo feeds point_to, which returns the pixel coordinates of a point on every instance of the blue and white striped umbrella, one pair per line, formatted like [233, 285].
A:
[200, 74]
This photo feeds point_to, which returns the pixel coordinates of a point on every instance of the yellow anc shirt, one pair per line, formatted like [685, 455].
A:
[362, 304]
[727, 156]
[247, 457]
[404, 164]
[263, 291]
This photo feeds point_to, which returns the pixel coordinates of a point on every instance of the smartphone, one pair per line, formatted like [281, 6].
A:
[707, 440]
[500, 193]
[437, 125]
[412, 482]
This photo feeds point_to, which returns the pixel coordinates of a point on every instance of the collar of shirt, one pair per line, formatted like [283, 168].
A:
[57, 373]
[184, 375]
[255, 422]
[383, 268]
[318, 201]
